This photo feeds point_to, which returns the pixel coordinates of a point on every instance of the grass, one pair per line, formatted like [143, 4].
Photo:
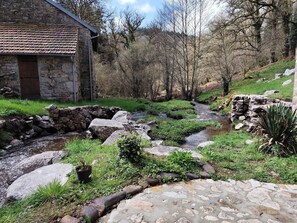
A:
[27, 107]
[110, 174]
[175, 108]
[249, 86]
[233, 159]
[173, 132]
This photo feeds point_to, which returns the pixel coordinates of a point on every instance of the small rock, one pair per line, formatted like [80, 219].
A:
[205, 144]
[270, 92]
[69, 219]
[289, 72]
[151, 123]
[249, 142]
[192, 176]
[287, 82]
[132, 189]
[163, 115]
[16, 142]
[277, 76]
[152, 181]
[261, 80]
[45, 118]
[241, 118]
[204, 175]
[208, 168]
[51, 107]
[239, 126]
[157, 143]
[90, 213]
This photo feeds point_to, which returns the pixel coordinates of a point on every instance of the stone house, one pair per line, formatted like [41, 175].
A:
[46, 52]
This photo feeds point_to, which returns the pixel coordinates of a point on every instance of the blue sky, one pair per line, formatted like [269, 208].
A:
[147, 8]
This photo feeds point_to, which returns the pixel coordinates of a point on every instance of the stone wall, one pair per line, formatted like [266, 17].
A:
[9, 73]
[79, 118]
[41, 12]
[246, 108]
[56, 77]
[16, 130]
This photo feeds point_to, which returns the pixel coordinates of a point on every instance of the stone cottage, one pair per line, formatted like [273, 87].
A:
[46, 52]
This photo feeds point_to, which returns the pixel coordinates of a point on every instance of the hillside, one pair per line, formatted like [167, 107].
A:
[255, 82]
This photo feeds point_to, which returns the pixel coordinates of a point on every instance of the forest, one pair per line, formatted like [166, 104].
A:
[190, 43]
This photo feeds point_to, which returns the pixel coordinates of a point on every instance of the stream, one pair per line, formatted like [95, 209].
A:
[9, 158]
[205, 114]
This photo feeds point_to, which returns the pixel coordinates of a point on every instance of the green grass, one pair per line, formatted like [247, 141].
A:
[233, 159]
[249, 86]
[27, 107]
[175, 108]
[175, 131]
[110, 174]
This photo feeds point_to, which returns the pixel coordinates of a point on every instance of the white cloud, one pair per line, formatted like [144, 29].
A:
[124, 2]
[146, 8]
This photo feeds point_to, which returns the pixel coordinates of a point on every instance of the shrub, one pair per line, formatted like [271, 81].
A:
[279, 125]
[130, 147]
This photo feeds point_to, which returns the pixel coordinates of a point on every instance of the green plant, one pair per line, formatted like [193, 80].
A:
[183, 159]
[48, 193]
[130, 147]
[279, 125]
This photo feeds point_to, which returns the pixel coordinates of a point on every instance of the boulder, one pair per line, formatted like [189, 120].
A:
[158, 143]
[35, 162]
[122, 116]
[287, 82]
[164, 151]
[204, 144]
[114, 137]
[289, 72]
[103, 128]
[30, 182]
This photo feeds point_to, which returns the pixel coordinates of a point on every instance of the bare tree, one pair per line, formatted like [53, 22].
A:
[184, 18]
[89, 10]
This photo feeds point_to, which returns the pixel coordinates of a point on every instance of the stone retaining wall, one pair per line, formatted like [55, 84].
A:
[79, 118]
[246, 108]
[14, 131]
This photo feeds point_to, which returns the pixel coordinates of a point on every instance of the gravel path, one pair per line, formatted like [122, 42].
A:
[210, 201]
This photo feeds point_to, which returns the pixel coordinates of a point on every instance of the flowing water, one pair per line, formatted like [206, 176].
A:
[205, 114]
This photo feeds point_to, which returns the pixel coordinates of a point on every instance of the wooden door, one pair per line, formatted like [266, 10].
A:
[29, 78]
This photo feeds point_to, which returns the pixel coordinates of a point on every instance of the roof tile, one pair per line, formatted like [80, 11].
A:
[39, 40]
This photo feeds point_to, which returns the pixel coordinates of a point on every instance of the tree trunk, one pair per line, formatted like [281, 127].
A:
[286, 28]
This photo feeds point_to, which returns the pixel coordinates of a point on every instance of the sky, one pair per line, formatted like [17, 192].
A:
[147, 8]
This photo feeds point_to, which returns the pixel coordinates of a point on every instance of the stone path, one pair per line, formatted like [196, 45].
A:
[210, 201]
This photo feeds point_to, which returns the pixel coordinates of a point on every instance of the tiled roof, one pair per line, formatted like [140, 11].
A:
[38, 40]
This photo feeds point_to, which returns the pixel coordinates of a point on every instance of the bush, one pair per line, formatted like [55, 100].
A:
[130, 147]
[279, 125]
